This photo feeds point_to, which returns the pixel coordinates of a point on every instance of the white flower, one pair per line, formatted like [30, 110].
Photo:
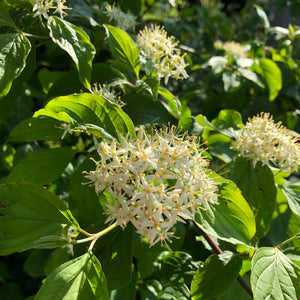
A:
[265, 141]
[41, 7]
[154, 45]
[60, 7]
[107, 92]
[153, 180]
[124, 21]
[66, 128]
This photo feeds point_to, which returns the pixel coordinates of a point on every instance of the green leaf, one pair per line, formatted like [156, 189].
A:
[219, 146]
[228, 122]
[28, 212]
[14, 49]
[76, 43]
[274, 276]
[272, 76]
[144, 109]
[262, 15]
[178, 267]
[83, 199]
[231, 219]
[115, 253]
[42, 167]
[5, 19]
[173, 103]
[258, 187]
[81, 278]
[216, 275]
[92, 109]
[292, 193]
[123, 49]
[36, 129]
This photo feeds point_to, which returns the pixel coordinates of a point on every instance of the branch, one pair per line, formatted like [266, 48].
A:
[218, 250]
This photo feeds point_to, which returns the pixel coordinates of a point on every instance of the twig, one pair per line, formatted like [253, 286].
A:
[218, 250]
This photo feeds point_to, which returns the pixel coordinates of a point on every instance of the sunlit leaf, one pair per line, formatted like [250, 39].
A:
[258, 187]
[90, 109]
[274, 276]
[28, 212]
[231, 219]
[76, 43]
[81, 278]
[14, 49]
[123, 48]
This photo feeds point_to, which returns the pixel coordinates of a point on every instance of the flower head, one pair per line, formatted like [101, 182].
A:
[107, 92]
[263, 140]
[154, 45]
[232, 49]
[42, 7]
[152, 180]
[124, 21]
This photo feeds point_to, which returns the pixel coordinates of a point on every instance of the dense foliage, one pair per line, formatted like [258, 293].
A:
[149, 150]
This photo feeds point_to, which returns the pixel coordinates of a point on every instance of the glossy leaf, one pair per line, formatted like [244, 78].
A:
[228, 122]
[76, 43]
[272, 76]
[28, 212]
[292, 193]
[231, 219]
[173, 103]
[42, 167]
[215, 276]
[90, 109]
[14, 49]
[144, 109]
[258, 187]
[123, 49]
[274, 276]
[81, 278]
[36, 129]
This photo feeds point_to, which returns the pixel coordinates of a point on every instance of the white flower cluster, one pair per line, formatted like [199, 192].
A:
[124, 21]
[232, 49]
[154, 45]
[41, 7]
[263, 140]
[107, 92]
[153, 180]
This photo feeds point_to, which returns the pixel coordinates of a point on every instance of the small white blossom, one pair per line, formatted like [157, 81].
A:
[154, 45]
[153, 180]
[66, 127]
[107, 92]
[123, 20]
[265, 141]
[41, 7]
[60, 7]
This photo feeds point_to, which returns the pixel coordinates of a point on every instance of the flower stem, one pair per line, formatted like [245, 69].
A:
[287, 241]
[218, 250]
[93, 237]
